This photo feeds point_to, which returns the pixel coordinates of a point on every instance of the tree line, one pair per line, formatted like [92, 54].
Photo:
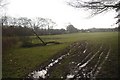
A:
[24, 26]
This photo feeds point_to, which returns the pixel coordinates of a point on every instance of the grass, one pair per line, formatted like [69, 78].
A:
[19, 61]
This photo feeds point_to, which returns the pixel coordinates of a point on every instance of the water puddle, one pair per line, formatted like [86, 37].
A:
[38, 74]
[70, 76]
[43, 73]
[84, 50]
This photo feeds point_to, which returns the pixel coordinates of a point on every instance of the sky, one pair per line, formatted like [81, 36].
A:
[61, 13]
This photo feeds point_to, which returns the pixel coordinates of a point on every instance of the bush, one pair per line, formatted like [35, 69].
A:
[27, 44]
[26, 41]
[8, 42]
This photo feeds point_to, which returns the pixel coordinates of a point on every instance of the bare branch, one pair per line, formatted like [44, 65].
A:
[96, 6]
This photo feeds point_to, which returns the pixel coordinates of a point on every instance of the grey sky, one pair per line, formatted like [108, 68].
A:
[60, 12]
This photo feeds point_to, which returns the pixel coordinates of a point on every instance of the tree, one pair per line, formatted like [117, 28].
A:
[22, 21]
[35, 23]
[9, 21]
[71, 29]
[2, 5]
[40, 23]
[4, 20]
[50, 24]
[98, 6]
[14, 22]
[20, 26]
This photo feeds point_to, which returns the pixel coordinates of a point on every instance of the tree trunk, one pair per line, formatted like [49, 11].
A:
[39, 37]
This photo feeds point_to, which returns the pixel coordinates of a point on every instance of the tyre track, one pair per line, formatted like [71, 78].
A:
[43, 72]
[80, 66]
[72, 56]
[100, 59]
[84, 73]
[100, 66]
[80, 59]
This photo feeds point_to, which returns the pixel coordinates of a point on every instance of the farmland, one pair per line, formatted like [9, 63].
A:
[101, 47]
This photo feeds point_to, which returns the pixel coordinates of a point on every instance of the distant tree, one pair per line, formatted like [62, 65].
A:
[71, 29]
[50, 25]
[57, 31]
[22, 21]
[9, 21]
[4, 20]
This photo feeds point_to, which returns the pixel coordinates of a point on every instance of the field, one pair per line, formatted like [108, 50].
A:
[77, 54]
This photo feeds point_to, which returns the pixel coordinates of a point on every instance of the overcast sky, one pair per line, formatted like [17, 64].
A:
[60, 12]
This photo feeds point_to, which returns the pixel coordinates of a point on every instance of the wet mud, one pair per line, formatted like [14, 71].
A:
[79, 60]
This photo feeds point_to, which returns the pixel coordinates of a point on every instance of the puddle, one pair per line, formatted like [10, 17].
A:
[39, 74]
[84, 50]
[70, 76]
[43, 73]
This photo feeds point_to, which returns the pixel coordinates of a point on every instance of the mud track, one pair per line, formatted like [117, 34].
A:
[80, 60]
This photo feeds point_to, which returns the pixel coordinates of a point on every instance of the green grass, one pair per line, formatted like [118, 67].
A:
[19, 61]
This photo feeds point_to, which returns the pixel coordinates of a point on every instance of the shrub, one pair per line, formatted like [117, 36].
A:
[8, 42]
[26, 41]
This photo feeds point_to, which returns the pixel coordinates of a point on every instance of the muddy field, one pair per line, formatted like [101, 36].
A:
[79, 60]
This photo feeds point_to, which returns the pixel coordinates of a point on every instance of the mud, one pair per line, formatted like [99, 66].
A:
[79, 60]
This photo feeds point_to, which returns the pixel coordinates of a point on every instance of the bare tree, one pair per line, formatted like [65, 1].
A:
[22, 21]
[41, 23]
[14, 21]
[97, 6]
[33, 24]
[3, 3]
[50, 24]
[4, 21]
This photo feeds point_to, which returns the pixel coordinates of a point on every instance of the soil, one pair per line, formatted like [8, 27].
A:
[79, 60]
